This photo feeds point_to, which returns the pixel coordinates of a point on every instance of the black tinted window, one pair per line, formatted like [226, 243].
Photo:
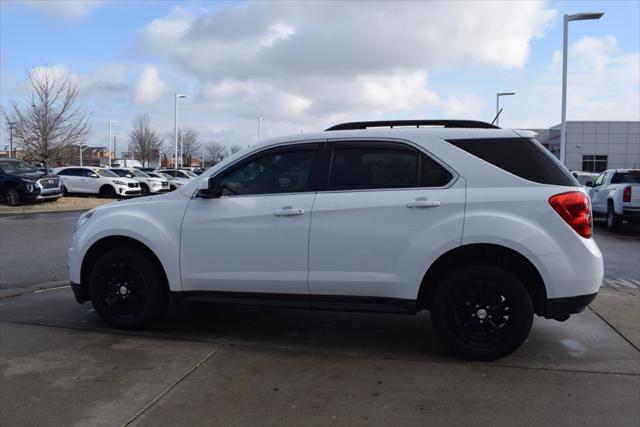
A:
[371, 167]
[71, 172]
[281, 171]
[631, 177]
[523, 157]
[432, 174]
[122, 173]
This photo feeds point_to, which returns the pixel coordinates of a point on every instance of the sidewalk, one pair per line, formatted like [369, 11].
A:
[61, 205]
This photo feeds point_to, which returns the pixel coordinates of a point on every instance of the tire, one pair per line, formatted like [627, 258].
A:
[144, 190]
[462, 320]
[126, 290]
[107, 192]
[614, 221]
[65, 193]
[172, 188]
[12, 196]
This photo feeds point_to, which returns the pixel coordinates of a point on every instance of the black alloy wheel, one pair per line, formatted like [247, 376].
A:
[126, 289]
[12, 196]
[107, 192]
[482, 312]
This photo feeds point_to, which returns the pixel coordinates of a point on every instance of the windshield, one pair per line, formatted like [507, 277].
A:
[105, 172]
[631, 177]
[139, 174]
[121, 172]
[166, 176]
[191, 174]
[16, 167]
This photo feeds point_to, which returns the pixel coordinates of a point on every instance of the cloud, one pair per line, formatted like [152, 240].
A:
[149, 87]
[71, 10]
[310, 64]
[602, 84]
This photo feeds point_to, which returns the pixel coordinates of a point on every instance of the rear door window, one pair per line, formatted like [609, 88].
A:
[524, 157]
[383, 165]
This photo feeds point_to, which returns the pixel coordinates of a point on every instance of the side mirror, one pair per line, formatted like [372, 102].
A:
[93, 175]
[589, 184]
[208, 189]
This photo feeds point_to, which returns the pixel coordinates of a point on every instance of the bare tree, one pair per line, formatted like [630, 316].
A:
[52, 121]
[144, 140]
[188, 145]
[235, 148]
[214, 153]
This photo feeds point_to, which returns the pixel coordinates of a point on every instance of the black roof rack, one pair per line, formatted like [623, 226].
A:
[416, 123]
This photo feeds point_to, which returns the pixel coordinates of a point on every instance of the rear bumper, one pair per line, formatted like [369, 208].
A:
[631, 214]
[558, 307]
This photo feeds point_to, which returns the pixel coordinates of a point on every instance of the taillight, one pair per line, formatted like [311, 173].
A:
[626, 194]
[575, 208]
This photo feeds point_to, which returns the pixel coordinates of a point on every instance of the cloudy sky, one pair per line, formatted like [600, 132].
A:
[304, 66]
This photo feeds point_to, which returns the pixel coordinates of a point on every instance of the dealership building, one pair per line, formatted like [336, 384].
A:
[596, 145]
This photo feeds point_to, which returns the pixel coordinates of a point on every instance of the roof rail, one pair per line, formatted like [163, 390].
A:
[416, 123]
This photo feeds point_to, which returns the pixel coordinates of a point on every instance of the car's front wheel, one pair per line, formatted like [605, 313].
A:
[482, 312]
[126, 289]
[12, 196]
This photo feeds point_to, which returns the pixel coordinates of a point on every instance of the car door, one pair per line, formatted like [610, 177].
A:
[598, 195]
[254, 238]
[71, 179]
[388, 210]
[90, 181]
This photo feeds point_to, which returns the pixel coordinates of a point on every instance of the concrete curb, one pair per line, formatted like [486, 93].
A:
[48, 207]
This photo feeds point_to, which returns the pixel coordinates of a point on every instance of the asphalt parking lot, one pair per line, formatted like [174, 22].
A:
[232, 365]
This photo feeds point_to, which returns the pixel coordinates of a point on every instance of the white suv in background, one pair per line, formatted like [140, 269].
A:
[96, 181]
[148, 184]
[480, 225]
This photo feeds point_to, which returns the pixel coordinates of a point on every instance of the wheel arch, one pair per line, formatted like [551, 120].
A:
[104, 245]
[485, 254]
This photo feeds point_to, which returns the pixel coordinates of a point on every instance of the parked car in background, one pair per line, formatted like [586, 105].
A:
[178, 173]
[584, 178]
[96, 181]
[148, 184]
[616, 194]
[174, 183]
[145, 169]
[20, 182]
[480, 225]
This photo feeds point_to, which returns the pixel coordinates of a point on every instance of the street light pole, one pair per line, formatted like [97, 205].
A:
[498, 95]
[10, 140]
[260, 119]
[111, 141]
[175, 163]
[565, 49]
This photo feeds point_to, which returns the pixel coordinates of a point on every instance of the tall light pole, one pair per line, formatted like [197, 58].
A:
[10, 139]
[175, 163]
[111, 141]
[498, 95]
[565, 49]
[260, 119]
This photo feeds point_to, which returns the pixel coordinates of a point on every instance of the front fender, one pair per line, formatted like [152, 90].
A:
[156, 224]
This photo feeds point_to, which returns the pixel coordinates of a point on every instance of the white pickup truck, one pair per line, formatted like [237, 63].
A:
[616, 194]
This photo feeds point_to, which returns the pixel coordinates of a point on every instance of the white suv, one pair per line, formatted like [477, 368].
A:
[148, 184]
[96, 181]
[480, 225]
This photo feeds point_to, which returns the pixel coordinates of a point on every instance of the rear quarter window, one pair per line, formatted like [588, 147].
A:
[524, 157]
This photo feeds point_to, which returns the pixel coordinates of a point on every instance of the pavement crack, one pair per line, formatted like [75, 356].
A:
[172, 385]
[615, 329]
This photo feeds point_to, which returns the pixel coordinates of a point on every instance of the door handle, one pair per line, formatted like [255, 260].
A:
[422, 202]
[289, 211]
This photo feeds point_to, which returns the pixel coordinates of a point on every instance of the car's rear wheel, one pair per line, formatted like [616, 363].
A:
[126, 289]
[482, 312]
[107, 192]
[613, 219]
[12, 196]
